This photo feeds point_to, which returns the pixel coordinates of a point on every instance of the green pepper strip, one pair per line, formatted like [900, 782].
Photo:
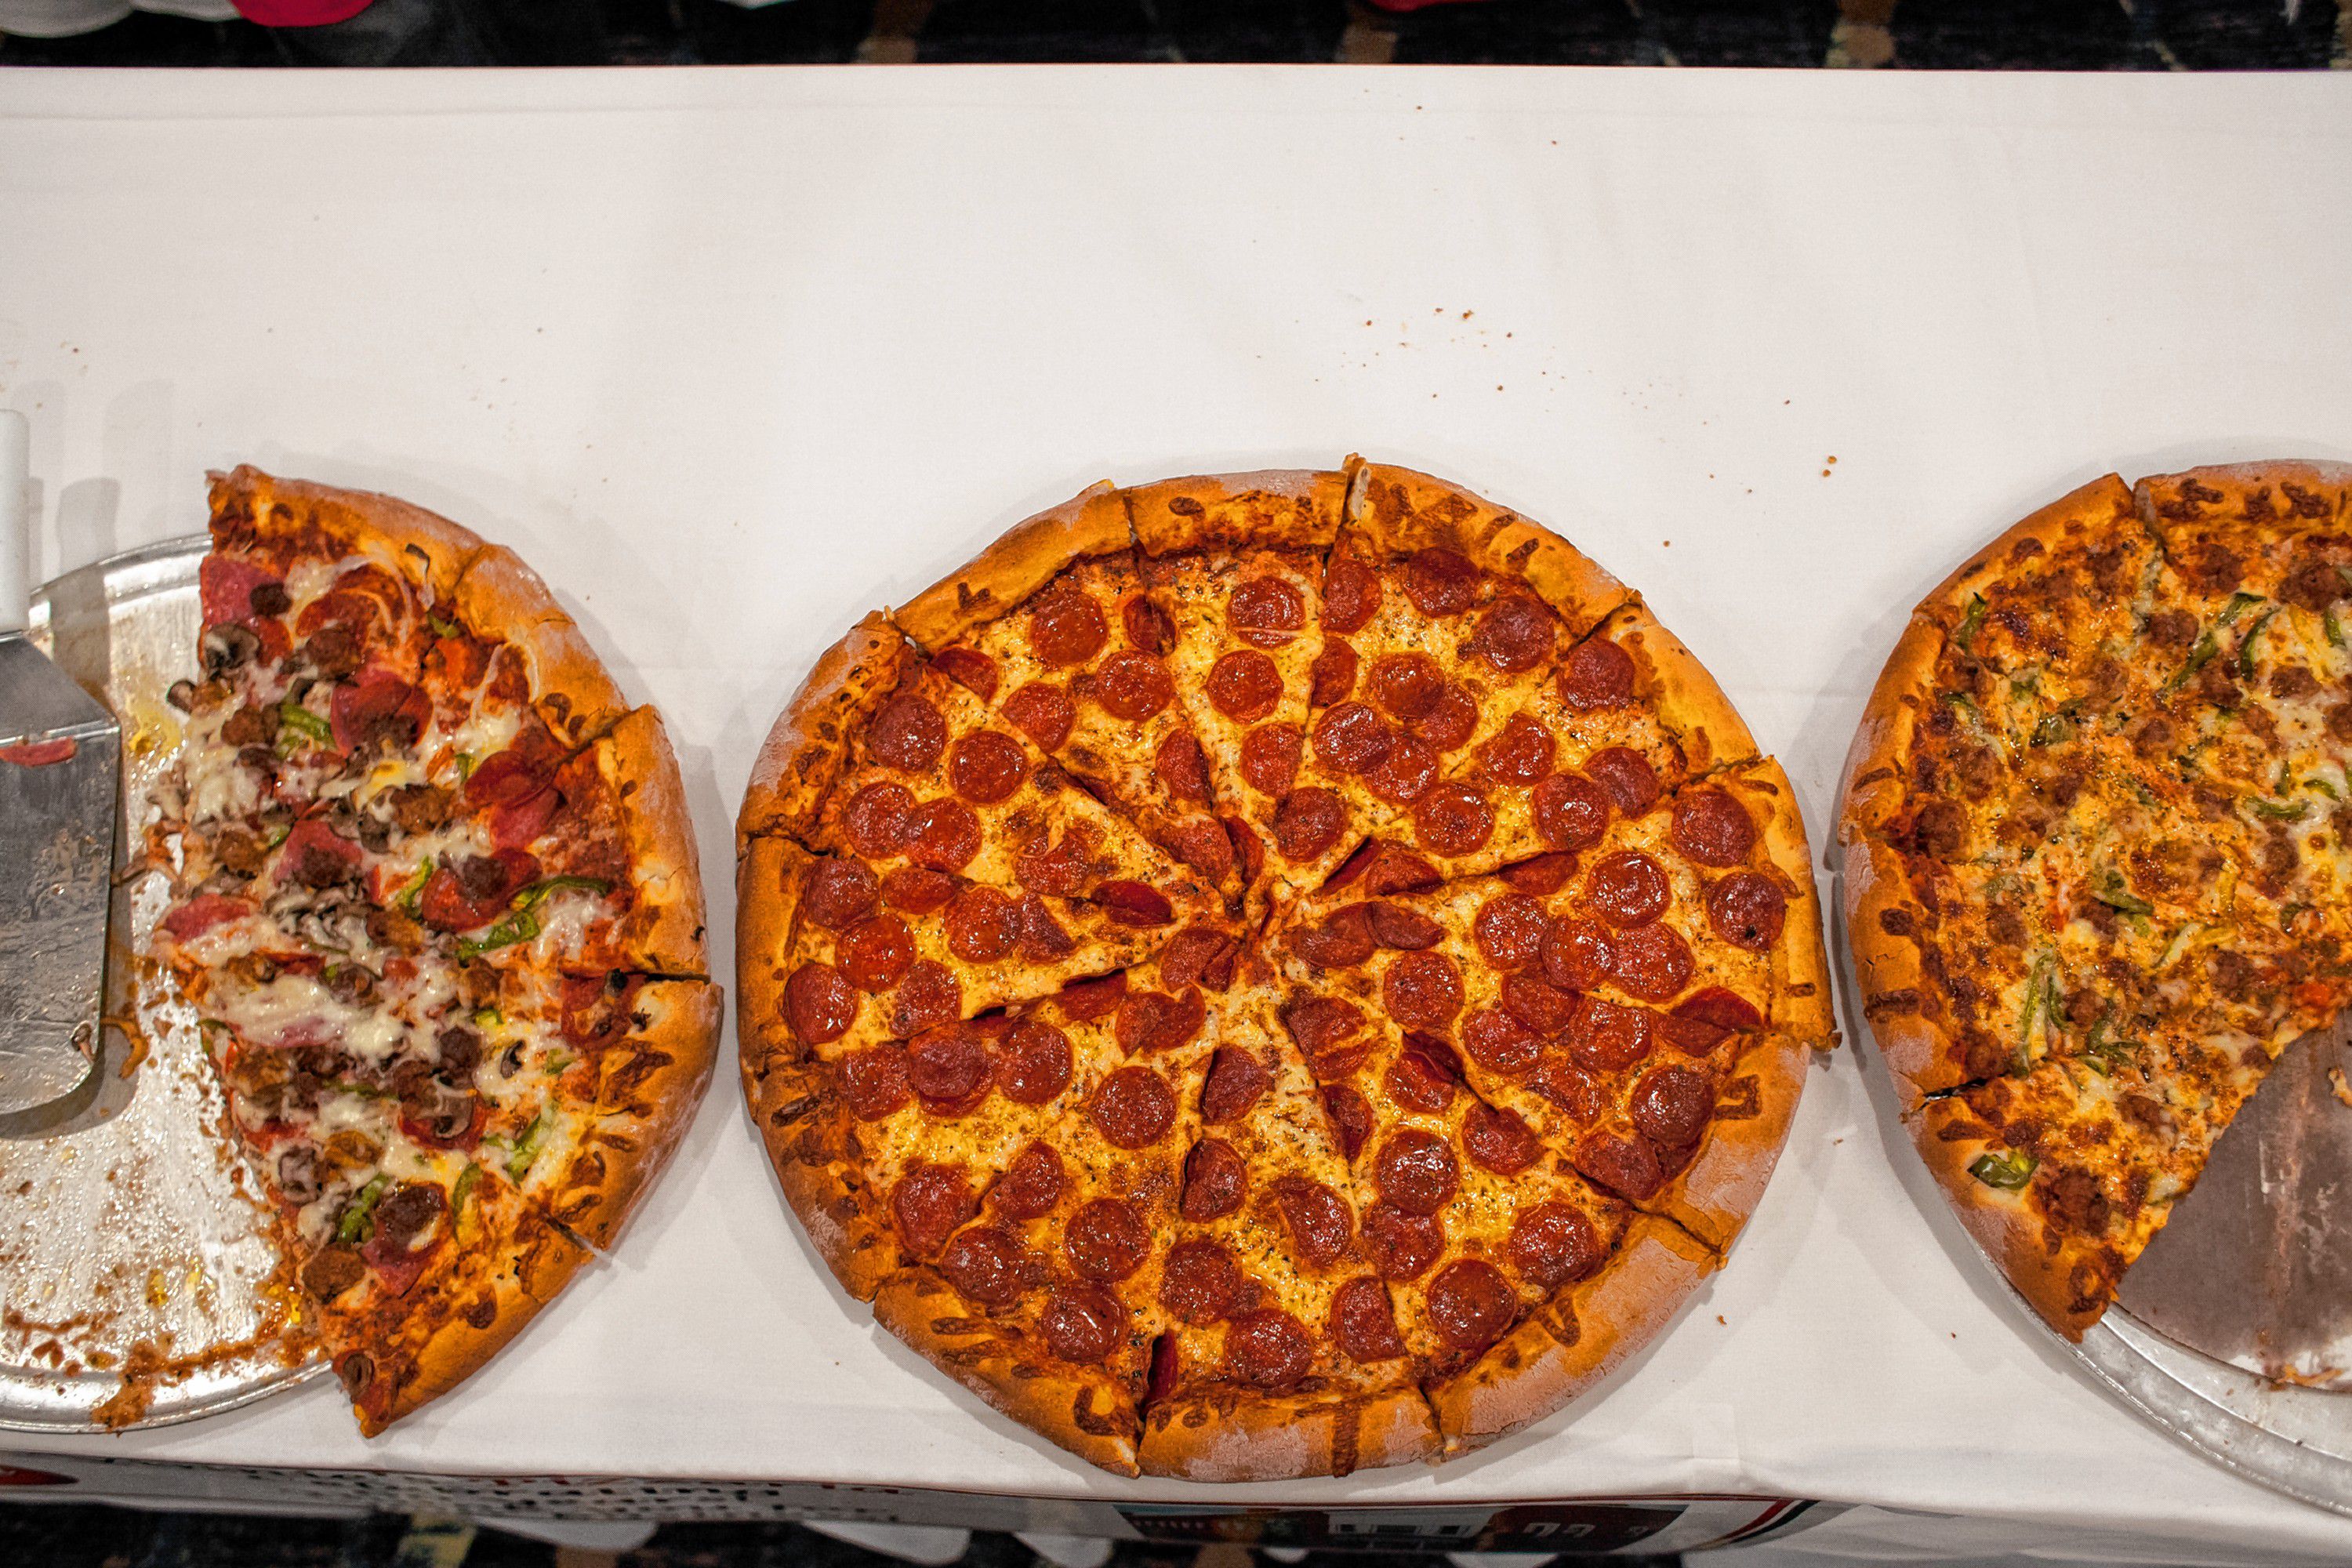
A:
[293, 715]
[2324, 787]
[2054, 730]
[2009, 1172]
[2117, 894]
[2246, 643]
[467, 1180]
[413, 887]
[2332, 626]
[355, 1225]
[1970, 622]
[527, 1147]
[538, 894]
[2281, 810]
[2037, 1002]
[521, 926]
[2240, 603]
[2199, 658]
[442, 626]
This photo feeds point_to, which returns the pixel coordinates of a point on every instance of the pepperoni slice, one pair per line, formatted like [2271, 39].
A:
[982, 925]
[1552, 1244]
[1032, 1185]
[1471, 1305]
[1060, 870]
[1453, 820]
[1498, 1140]
[1510, 928]
[1342, 941]
[1132, 686]
[1605, 1036]
[875, 820]
[1705, 1021]
[1626, 775]
[1416, 1171]
[1238, 1080]
[1244, 685]
[1746, 911]
[908, 734]
[1406, 684]
[1405, 774]
[1541, 877]
[1134, 1108]
[1422, 990]
[1501, 1043]
[1134, 904]
[1182, 767]
[1399, 928]
[946, 835]
[1044, 712]
[929, 997]
[1200, 1282]
[1572, 811]
[1148, 627]
[1307, 823]
[930, 1204]
[1214, 1181]
[1105, 1241]
[1599, 674]
[1423, 1079]
[1522, 752]
[1651, 962]
[1036, 1063]
[1440, 582]
[970, 669]
[1042, 939]
[1083, 1325]
[1450, 722]
[1537, 1002]
[819, 1003]
[1514, 634]
[840, 894]
[1351, 594]
[1086, 1001]
[1202, 843]
[1332, 676]
[1712, 827]
[1265, 612]
[947, 1068]
[1351, 1117]
[1401, 1246]
[1248, 848]
[988, 1265]
[985, 767]
[1317, 1023]
[873, 1081]
[1199, 955]
[1270, 758]
[1626, 1166]
[1363, 1323]
[1584, 1097]
[1351, 738]
[1268, 1348]
[1672, 1105]
[1578, 955]
[911, 890]
[1628, 888]
[1150, 1021]
[874, 954]
[1320, 1225]
[1065, 626]
[1382, 868]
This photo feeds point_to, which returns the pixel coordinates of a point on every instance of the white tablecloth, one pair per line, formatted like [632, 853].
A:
[731, 356]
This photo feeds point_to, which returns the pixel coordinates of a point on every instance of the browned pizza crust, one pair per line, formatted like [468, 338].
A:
[650, 1088]
[2105, 500]
[418, 543]
[2313, 495]
[1873, 793]
[2002, 1222]
[1576, 1340]
[1679, 690]
[1084, 1412]
[498, 596]
[664, 931]
[1804, 1005]
[1092, 523]
[1279, 1436]
[1272, 509]
[1714, 1196]
[809, 742]
[1921, 1055]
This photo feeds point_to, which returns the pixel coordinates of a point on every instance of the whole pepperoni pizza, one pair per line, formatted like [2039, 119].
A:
[1267, 975]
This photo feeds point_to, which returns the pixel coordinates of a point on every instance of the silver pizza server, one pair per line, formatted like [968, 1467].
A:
[60, 769]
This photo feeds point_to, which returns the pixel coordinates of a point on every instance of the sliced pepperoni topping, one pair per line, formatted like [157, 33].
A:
[1651, 962]
[1200, 1282]
[1672, 1105]
[1134, 1108]
[1405, 930]
[1351, 594]
[1552, 1244]
[1703, 1022]
[1244, 685]
[1572, 811]
[1424, 1077]
[1440, 582]
[1416, 1171]
[1401, 1245]
[873, 1081]
[1248, 848]
[911, 890]
[1320, 1225]
[1199, 955]
[1150, 1021]
[1522, 752]
[1501, 1043]
[1626, 1166]
[1382, 868]
[1270, 758]
[1405, 774]
[1043, 940]
[1084, 1001]
[930, 1204]
[1351, 738]
[1510, 930]
[1060, 870]
[1579, 954]
[1083, 1325]
[1599, 674]
[1342, 941]
[1471, 1305]
[1032, 1185]
[1333, 675]
[1182, 766]
[985, 767]
[1626, 775]
[1307, 823]
[1537, 1002]
[1585, 1097]
[1514, 634]
[970, 669]
[1319, 1024]
[1214, 1181]
[1132, 686]
[1453, 820]
[1134, 904]
[1604, 1036]
[1406, 684]
[819, 1003]
[1351, 1117]
[875, 819]
[946, 835]
[1498, 1140]
[1268, 1348]
[1541, 877]
[1422, 990]
[1712, 827]
[1363, 1323]
[1746, 911]
[840, 894]
[874, 954]
[1065, 626]
[1450, 722]
[988, 1265]
[1202, 843]
[1106, 1240]
[947, 1068]
[1238, 1080]
[929, 996]
[1627, 888]
[1148, 627]
[982, 925]
[1266, 611]
[1036, 1063]
[908, 733]
[1044, 712]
